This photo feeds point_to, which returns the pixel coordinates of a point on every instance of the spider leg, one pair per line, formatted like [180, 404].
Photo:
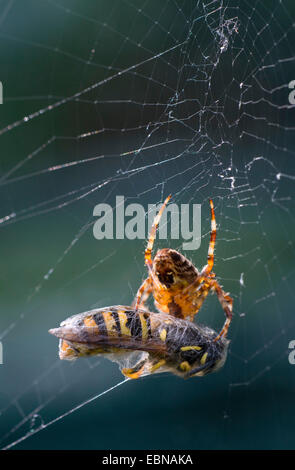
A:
[143, 293]
[147, 286]
[210, 262]
[198, 290]
[227, 305]
[148, 251]
[194, 294]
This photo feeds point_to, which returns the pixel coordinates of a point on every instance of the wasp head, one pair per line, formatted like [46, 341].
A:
[202, 357]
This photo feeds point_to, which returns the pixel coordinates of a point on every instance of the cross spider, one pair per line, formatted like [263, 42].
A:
[176, 284]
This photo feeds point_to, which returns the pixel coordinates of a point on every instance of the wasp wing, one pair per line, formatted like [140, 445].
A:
[89, 336]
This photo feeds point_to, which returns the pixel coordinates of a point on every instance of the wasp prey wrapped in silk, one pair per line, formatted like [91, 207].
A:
[142, 342]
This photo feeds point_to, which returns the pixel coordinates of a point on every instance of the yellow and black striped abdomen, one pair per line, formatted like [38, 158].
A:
[122, 322]
[105, 330]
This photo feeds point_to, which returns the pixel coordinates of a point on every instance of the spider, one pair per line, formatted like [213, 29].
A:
[178, 288]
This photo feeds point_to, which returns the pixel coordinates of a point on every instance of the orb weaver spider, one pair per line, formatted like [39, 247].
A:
[178, 288]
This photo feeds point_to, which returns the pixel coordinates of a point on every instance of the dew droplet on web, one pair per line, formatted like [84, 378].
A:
[242, 280]
[36, 422]
[48, 274]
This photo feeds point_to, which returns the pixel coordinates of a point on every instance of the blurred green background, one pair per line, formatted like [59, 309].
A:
[213, 110]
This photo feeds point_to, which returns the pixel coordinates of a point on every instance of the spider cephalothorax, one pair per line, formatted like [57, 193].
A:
[177, 286]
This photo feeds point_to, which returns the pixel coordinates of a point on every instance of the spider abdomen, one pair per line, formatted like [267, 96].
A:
[172, 268]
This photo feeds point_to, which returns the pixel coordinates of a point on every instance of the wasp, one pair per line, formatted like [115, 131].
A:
[163, 343]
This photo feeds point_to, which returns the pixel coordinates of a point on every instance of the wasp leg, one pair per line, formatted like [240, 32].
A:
[157, 365]
[136, 371]
[148, 366]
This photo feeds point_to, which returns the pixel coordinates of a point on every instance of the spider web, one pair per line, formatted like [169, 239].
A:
[142, 99]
